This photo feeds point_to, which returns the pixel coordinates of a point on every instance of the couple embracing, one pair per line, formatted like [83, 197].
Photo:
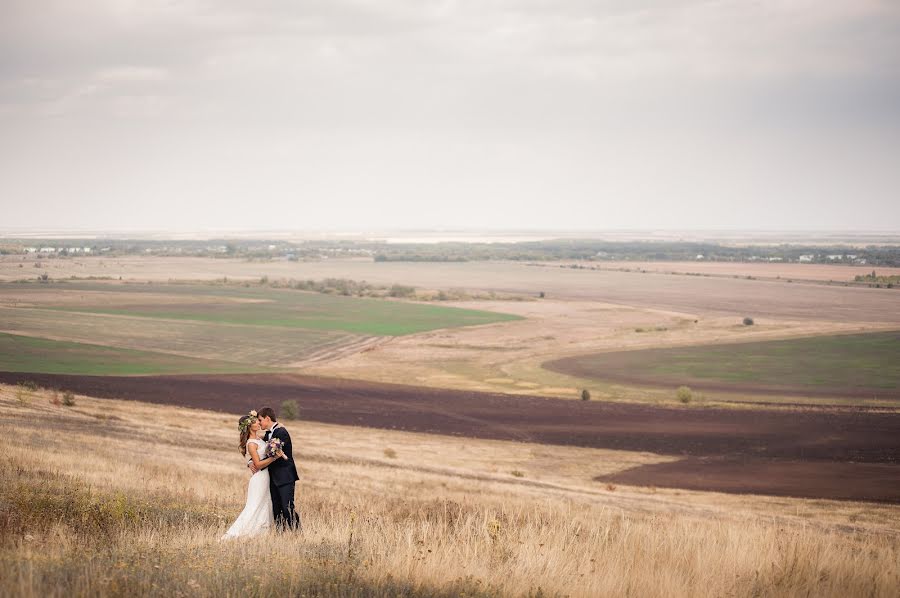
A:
[270, 493]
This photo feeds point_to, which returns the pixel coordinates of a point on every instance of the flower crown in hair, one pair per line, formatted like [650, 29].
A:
[245, 423]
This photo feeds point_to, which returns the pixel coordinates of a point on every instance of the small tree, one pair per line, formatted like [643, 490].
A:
[68, 399]
[684, 394]
[585, 395]
[748, 321]
[290, 409]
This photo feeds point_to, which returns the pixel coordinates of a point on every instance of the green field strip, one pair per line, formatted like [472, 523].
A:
[864, 361]
[38, 355]
[294, 309]
[254, 345]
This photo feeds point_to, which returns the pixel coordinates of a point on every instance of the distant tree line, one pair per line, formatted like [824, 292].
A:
[588, 250]
[599, 251]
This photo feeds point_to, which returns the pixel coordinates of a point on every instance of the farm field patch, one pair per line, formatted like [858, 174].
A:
[772, 270]
[252, 345]
[695, 295]
[862, 365]
[251, 328]
[28, 354]
[255, 306]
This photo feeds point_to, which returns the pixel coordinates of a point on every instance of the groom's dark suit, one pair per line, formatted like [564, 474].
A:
[282, 475]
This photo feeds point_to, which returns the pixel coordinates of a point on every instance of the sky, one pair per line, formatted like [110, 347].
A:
[488, 114]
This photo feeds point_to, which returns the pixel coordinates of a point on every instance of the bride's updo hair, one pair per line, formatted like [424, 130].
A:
[244, 424]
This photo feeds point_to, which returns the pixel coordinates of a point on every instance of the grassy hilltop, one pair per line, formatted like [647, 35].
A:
[109, 498]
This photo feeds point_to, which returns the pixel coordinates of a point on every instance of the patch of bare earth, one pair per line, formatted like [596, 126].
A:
[815, 443]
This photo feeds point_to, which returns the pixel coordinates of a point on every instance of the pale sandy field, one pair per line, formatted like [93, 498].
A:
[817, 272]
[687, 294]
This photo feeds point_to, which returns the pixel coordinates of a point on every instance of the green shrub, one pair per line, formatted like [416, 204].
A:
[748, 321]
[400, 290]
[68, 399]
[290, 409]
[684, 394]
[585, 395]
[390, 453]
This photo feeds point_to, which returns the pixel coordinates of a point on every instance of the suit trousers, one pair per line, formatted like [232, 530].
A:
[286, 516]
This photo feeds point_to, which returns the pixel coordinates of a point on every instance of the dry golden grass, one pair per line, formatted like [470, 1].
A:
[110, 498]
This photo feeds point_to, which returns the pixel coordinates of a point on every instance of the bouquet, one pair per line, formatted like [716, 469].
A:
[274, 447]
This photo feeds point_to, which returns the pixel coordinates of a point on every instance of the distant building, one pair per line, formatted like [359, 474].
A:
[47, 250]
[31, 250]
[807, 258]
[699, 256]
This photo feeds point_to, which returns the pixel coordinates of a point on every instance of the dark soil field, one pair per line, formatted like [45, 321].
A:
[840, 453]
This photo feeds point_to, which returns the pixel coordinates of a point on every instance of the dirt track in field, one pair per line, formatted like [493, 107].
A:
[840, 453]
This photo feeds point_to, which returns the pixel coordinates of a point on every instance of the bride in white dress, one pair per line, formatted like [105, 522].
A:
[256, 517]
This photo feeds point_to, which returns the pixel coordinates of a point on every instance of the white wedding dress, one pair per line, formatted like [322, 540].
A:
[256, 517]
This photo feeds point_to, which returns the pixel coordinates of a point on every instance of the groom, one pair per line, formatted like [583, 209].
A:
[282, 473]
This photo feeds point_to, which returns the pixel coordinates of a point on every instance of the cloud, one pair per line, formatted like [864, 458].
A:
[643, 102]
[130, 74]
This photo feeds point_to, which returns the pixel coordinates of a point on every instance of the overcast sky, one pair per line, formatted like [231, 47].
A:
[356, 114]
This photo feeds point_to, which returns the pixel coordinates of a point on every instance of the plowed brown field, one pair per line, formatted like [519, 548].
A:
[842, 453]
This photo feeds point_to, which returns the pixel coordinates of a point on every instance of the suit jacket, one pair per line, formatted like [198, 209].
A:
[282, 472]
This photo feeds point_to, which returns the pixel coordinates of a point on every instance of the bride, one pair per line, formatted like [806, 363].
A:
[257, 515]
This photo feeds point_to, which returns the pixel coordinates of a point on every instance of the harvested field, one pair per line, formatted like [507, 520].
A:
[773, 270]
[811, 438]
[688, 294]
[853, 365]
